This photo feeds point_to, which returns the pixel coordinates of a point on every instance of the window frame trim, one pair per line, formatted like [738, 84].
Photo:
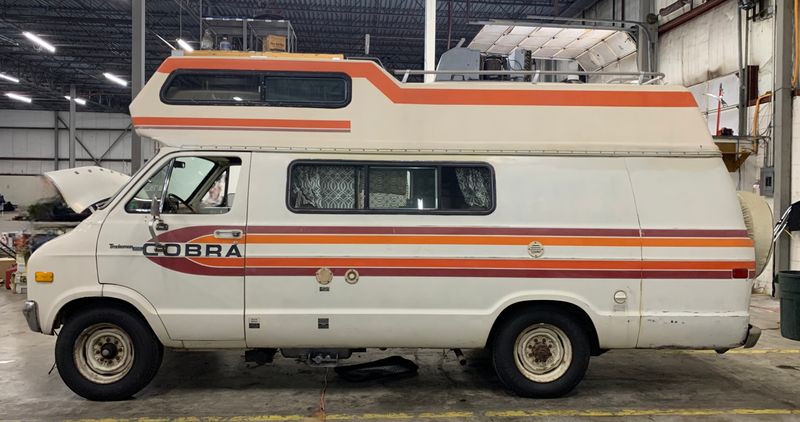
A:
[364, 164]
[262, 76]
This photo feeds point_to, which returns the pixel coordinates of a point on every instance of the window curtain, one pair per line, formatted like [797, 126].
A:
[474, 185]
[332, 187]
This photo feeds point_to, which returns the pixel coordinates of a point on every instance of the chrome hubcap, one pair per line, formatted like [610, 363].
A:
[103, 353]
[542, 353]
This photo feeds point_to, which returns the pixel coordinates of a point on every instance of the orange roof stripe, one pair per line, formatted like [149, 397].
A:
[401, 94]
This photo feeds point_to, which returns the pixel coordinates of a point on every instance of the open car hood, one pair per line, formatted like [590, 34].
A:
[82, 187]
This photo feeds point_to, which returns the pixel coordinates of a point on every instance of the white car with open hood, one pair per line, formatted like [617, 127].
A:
[316, 206]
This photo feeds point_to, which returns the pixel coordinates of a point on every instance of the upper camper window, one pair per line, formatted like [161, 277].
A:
[400, 188]
[276, 89]
[213, 88]
[296, 90]
[195, 185]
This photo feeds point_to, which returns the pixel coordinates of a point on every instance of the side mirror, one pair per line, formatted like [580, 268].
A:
[156, 223]
[155, 208]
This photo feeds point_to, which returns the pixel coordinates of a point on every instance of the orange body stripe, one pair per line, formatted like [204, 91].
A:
[480, 240]
[456, 96]
[247, 123]
[316, 262]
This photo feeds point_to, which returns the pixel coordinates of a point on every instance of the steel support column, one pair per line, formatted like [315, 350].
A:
[137, 73]
[71, 126]
[55, 140]
[430, 38]
[782, 141]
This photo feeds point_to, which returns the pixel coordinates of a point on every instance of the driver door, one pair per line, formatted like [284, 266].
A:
[191, 268]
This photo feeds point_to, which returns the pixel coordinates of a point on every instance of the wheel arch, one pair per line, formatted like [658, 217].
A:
[569, 308]
[117, 297]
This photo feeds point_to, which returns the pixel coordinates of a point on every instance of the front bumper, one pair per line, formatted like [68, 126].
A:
[31, 312]
[753, 334]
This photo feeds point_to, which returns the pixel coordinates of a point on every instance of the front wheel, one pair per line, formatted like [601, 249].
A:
[107, 354]
[541, 352]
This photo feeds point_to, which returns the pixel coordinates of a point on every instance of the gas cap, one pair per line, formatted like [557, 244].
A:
[620, 296]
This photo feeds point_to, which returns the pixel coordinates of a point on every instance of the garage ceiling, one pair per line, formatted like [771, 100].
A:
[94, 36]
[593, 49]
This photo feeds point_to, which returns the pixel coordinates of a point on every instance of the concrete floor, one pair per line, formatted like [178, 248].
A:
[756, 384]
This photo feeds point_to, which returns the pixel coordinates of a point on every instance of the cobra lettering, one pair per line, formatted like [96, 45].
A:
[192, 250]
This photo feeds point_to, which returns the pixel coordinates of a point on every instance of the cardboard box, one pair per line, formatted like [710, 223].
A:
[274, 42]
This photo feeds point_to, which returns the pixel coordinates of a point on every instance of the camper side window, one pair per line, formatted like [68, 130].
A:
[378, 187]
[196, 185]
[254, 88]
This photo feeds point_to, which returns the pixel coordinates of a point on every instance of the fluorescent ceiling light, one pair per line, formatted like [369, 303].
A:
[115, 79]
[42, 43]
[9, 78]
[185, 45]
[237, 98]
[80, 101]
[18, 97]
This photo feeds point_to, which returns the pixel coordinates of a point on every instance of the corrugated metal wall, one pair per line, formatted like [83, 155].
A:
[27, 141]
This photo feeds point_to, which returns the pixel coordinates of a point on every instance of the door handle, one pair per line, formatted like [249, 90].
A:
[228, 234]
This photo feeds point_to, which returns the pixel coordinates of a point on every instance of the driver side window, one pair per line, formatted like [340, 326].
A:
[195, 185]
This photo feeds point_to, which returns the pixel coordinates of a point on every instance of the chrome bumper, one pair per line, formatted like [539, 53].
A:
[31, 312]
[753, 334]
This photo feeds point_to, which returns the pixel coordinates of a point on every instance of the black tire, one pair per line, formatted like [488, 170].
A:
[504, 346]
[146, 357]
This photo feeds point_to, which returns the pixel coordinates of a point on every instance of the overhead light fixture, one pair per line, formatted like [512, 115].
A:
[9, 78]
[185, 45]
[18, 97]
[42, 43]
[115, 79]
[80, 101]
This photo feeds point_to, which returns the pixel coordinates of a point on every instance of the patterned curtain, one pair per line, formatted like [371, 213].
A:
[388, 188]
[474, 184]
[330, 187]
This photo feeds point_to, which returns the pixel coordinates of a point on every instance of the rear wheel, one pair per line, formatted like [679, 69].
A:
[107, 354]
[541, 352]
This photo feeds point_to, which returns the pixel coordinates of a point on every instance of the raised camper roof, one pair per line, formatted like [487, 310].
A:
[327, 103]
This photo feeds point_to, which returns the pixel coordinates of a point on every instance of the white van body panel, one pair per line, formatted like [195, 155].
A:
[144, 307]
[699, 195]
[71, 259]
[192, 308]
[440, 311]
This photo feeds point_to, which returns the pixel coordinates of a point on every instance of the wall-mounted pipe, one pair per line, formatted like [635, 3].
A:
[688, 16]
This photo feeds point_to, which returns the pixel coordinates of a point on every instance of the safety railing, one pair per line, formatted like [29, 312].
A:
[643, 78]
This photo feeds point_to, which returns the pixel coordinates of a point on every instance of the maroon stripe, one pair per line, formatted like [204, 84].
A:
[186, 266]
[693, 233]
[683, 275]
[498, 273]
[187, 233]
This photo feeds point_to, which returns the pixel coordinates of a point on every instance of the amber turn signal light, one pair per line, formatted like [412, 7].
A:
[43, 277]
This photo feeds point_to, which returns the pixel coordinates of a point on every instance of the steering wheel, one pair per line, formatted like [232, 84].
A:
[181, 201]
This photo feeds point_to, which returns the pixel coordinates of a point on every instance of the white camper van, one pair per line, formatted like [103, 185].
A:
[316, 206]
